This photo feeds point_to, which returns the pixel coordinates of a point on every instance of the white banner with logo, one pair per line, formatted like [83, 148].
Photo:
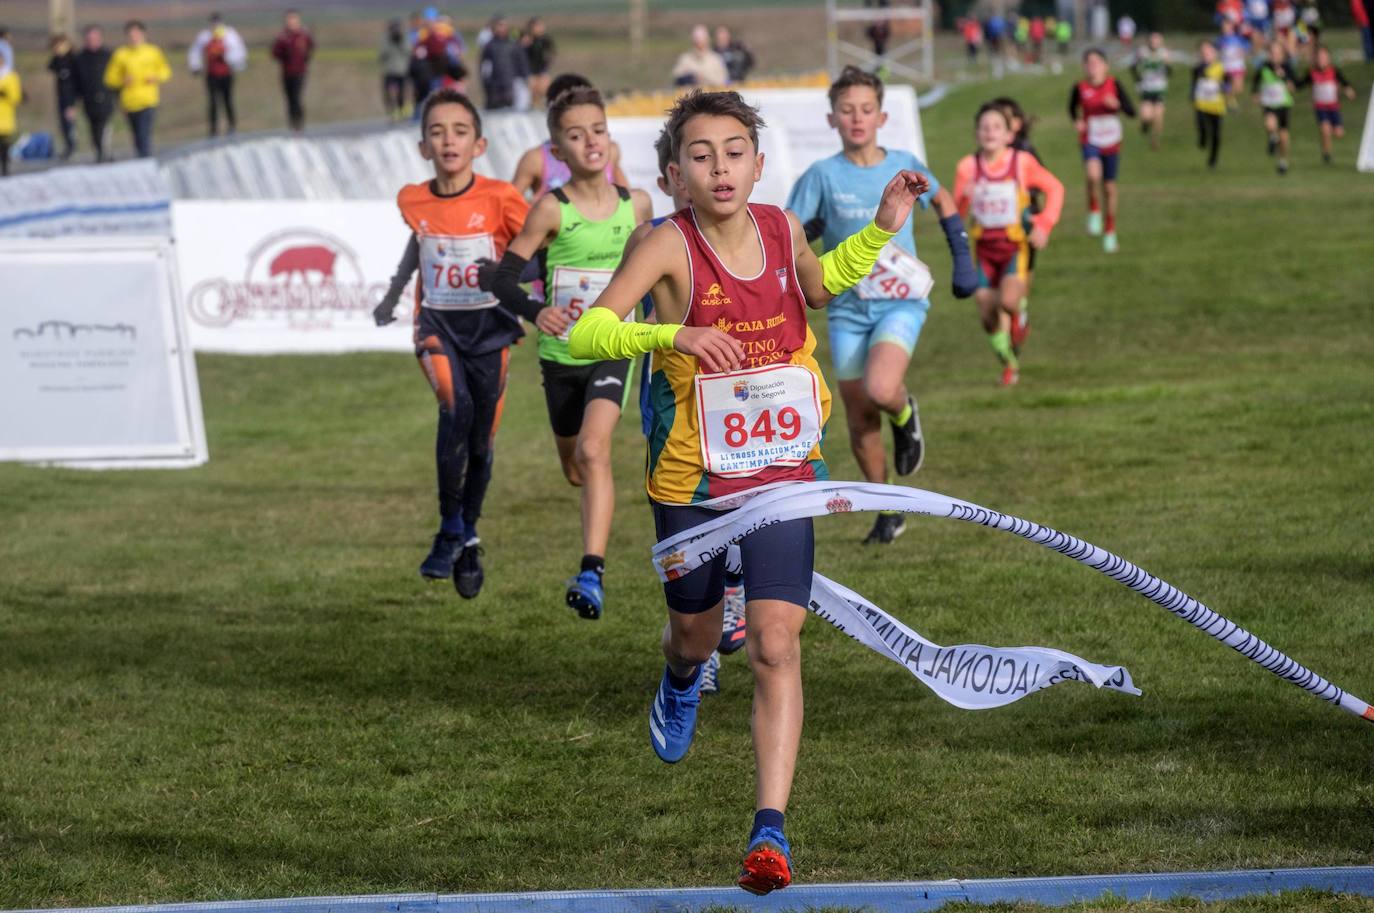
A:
[750, 511]
[95, 364]
[268, 277]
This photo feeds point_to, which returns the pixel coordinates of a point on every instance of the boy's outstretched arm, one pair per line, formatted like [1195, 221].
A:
[822, 278]
[601, 332]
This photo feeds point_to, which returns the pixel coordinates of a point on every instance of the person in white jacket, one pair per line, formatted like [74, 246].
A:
[219, 53]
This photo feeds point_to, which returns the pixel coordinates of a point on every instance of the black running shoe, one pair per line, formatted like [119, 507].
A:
[439, 564]
[467, 576]
[908, 449]
[886, 528]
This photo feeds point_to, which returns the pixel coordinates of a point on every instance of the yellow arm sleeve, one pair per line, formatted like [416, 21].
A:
[853, 258]
[600, 334]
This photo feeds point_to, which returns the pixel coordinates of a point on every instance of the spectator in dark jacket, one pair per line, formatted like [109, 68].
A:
[62, 65]
[394, 57]
[292, 50]
[96, 100]
[539, 51]
[503, 63]
[739, 60]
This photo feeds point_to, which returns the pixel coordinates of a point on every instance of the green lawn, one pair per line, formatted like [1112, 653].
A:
[229, 682]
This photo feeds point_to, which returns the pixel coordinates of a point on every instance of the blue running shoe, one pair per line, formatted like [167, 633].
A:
[585, 595]
[439, 563]
[673, 719]
[767, 864]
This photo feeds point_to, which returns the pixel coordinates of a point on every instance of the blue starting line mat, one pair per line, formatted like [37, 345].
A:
[872, 897]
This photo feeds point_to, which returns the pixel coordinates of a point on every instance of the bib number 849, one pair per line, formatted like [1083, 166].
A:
[738, 432]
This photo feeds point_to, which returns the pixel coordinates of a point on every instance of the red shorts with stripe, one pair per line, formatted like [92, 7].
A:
[999, 257]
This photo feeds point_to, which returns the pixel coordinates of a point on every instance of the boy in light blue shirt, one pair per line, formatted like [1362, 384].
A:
[874, 326]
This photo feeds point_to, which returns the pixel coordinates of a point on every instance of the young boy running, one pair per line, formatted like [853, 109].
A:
[581, 228]
[1328, 83]
[744, 405]
[992, 187]
[733, 628]
[874, 328]
[1151, 71]
[462, 338]
[1209, 100]
[1273, 86]
[1095, 106]
[539, 170]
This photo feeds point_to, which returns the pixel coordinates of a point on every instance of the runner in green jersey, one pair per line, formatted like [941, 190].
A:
[1273, 88]
[581, 229]
[1151, 71]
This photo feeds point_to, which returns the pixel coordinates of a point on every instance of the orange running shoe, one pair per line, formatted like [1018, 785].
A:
[1010, 376]
[767, 865]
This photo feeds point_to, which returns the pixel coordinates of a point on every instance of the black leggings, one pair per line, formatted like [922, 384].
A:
[394, 93]
[5, 140]
[294, 87]
[221, 90]
[470, 390]
[1209, 132]
[99, 120]
[68, 127]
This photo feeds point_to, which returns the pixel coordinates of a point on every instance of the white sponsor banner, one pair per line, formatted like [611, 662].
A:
[749, 511]
[802, 114]
[94, 357]
[1366, 160]
[287, 276]
[129, 198]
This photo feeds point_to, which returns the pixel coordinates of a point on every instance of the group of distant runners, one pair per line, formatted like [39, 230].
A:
[714, 298]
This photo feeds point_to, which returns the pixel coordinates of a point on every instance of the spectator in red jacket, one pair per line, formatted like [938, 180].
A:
[292, 50]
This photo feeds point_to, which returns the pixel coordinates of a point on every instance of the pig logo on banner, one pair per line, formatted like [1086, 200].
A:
[304, 278]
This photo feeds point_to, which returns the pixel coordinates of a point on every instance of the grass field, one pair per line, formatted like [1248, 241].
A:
[229, 682]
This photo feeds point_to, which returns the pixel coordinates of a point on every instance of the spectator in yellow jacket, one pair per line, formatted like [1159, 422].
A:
[11, 94]
[137, 70]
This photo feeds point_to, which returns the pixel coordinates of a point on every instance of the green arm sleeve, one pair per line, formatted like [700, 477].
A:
[601, 335]
[853, 258]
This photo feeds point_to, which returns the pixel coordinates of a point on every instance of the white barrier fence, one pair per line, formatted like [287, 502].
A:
[94, 358]
[374, 165]
[129, 198]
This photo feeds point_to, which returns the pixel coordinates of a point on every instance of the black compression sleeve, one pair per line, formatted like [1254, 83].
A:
[404, 270]
[507, 288]
[1073, 102]
[1127, 106]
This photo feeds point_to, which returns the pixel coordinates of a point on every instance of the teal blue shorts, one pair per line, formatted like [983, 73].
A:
[856, 326]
